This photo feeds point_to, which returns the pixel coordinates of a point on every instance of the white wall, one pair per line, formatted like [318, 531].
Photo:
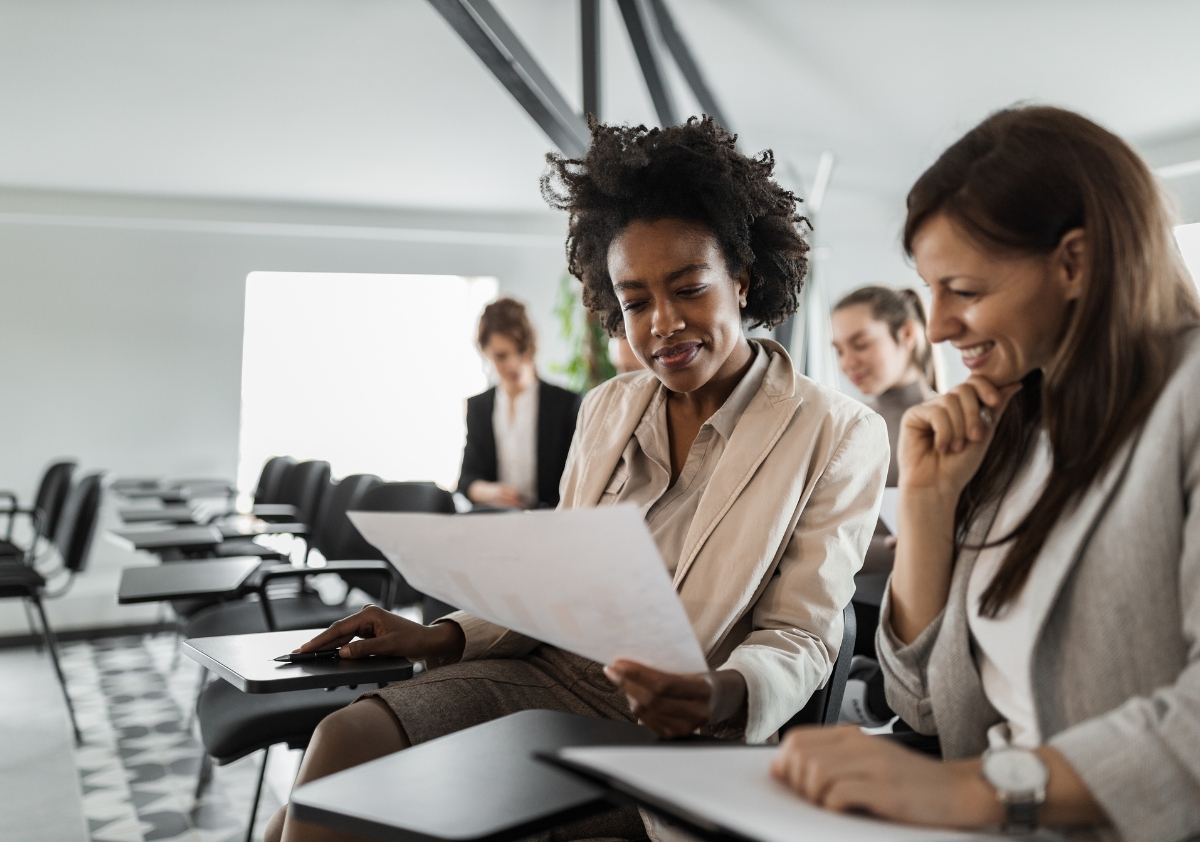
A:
[121, 328]
[122, 340]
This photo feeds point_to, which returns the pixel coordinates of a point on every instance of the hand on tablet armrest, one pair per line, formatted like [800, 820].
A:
[675, 705]
[495, 494]
[383, 633]
[845, 770]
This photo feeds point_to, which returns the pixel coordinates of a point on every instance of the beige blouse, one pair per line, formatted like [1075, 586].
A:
[643, 474]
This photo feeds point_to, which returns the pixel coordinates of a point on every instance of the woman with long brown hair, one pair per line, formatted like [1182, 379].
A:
[1043, 617]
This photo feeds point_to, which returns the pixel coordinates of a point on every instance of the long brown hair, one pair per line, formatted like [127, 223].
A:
[1016, 184]
[895, 308]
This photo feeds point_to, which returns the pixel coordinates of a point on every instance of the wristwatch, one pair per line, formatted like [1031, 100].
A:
[1019, 777]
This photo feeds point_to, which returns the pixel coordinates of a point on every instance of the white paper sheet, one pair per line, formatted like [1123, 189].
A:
[732, 789]
[887, 509]
[586, 580]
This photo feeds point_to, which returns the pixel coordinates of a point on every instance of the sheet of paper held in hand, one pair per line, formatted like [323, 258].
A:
[887, 509]
[731, 788]
[589, 581]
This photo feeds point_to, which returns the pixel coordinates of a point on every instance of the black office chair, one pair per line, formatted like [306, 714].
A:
[301, 489]
[269, 607]
[51, 494]
[423, 497]
[270, 480]
[234, 724]
[301, 486]
[73, 537]
[825, 705]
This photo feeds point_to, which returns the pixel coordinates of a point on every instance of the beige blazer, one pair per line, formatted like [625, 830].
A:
[782, 527]
[1116, 664]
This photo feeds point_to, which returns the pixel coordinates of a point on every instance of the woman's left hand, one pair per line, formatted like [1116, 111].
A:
[675, 705]
[845, 770]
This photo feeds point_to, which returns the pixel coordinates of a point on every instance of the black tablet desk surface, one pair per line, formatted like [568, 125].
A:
[247, 662]
[220, 578]
[183, 537]
[168, 514]
[482, 783]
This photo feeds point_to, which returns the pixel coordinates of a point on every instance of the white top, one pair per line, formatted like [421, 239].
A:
[1004, 645]
[514, 424]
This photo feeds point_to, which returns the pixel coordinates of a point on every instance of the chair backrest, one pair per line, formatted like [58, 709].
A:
[303, 487]
[408, 497]
[77, 525]
[825, 705]
[333, 533]
[52, 493]
[270, 481]
[395, 497]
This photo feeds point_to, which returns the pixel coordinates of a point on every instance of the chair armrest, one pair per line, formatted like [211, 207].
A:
[10, 511]
[276, 512]
[229, 531]
[35, 516]
[383, 569]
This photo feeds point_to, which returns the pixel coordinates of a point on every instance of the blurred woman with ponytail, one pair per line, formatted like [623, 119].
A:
[879, 337]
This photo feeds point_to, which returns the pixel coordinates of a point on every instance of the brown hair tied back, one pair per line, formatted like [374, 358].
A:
[895, 308]
[507, 317]
[1016, 184]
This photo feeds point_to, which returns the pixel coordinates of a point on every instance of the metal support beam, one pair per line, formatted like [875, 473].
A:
[687, 64]
[479, 24]
[637, 22]
[589, 33]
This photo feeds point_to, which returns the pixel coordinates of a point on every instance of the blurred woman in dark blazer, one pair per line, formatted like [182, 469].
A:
[519, 431]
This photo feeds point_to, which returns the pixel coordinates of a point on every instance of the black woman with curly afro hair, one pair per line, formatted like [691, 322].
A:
[759, 486]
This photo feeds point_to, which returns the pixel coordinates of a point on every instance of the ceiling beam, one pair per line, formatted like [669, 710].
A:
[483, 29]
[687, 64]
[637, 22]
[589, 34]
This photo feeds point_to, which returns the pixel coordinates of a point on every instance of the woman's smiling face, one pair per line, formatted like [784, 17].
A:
[682, 309]
[1005, 314]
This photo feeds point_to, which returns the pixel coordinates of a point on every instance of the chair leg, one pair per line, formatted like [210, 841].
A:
[52, 645]
[205, 776]
[262, 773]
[196, 704]
[178, 643]
[33, 629]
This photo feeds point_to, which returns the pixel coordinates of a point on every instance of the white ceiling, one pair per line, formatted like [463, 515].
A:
[377, 102]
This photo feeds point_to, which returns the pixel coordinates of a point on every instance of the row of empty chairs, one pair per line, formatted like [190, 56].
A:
[300, 499]
[62, 521]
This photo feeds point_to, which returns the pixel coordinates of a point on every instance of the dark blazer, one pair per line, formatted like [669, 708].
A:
[557, 410]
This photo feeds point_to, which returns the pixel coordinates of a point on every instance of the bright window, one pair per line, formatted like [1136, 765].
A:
[368, 372]
[1189, 243]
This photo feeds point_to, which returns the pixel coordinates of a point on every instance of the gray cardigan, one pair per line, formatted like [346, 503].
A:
[1116, 665]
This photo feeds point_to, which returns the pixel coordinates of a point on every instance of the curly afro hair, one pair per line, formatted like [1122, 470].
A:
[692, 172]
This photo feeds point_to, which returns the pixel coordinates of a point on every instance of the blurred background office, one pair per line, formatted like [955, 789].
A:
[234, 231]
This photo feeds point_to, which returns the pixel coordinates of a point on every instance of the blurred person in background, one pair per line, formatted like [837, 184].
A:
[879, 338]
[622, 356]
[518, 431]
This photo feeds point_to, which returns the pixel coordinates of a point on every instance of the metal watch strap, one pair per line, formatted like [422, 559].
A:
[1020, 817]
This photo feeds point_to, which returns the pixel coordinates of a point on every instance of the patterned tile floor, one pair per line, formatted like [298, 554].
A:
[139, 762]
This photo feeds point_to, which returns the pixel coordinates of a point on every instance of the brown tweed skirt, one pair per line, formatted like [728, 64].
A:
[454, 697]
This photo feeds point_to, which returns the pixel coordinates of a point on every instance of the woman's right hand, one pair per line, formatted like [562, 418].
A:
[495, 494]
[943, 441]
[384, 633]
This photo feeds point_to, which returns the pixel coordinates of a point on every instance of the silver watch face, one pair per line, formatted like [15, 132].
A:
[1014, 770]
